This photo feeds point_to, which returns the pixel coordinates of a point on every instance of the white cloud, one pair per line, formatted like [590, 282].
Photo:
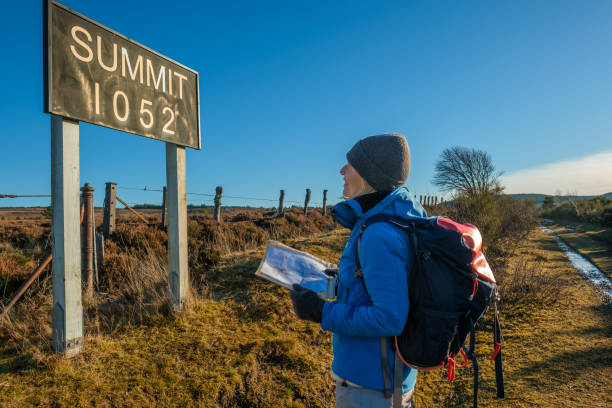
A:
[590, 175]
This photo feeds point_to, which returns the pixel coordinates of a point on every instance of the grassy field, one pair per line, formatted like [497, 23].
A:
[594, 242]
[239, 345]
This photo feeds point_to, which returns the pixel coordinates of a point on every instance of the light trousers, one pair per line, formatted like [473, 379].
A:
[355, 397]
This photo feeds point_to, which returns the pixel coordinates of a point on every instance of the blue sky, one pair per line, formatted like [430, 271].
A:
[288, 87]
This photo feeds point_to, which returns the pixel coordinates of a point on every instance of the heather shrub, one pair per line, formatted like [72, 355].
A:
[596, 210]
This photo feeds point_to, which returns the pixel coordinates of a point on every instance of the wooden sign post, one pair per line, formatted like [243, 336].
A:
[178, 272]
[96, 75]
[66, 230]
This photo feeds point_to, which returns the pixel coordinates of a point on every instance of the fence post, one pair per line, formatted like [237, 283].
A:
[435, 200]
[324, 202]
[218, 193]
[421, 199]
[281, 203]
[164, 214]
[87, 264]
[99, 257]
[108, 225]
[306, 201]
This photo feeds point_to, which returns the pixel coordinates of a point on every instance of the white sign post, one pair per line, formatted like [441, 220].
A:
[141, 92]
[178, 272]
[65, 199]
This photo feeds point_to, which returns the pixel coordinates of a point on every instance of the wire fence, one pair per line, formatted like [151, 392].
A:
[193, 201]
[225, 196]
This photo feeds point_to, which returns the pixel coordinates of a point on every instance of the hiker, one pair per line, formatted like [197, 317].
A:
[362, 321]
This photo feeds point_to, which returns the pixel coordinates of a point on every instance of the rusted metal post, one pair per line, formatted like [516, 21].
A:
[165, 207]
[324, 202]
[306, 201]
[99, 258]
[218, 194]
[26, 285]
[281, 203]
[22, 289]
[87, 264]
[136, 213]
[110, 203]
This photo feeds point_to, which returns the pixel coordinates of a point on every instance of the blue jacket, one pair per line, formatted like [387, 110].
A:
[358, 320]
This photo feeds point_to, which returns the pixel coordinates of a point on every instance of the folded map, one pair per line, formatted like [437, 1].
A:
[285, 266]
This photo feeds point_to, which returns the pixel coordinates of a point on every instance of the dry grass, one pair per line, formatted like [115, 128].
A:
[238, 344]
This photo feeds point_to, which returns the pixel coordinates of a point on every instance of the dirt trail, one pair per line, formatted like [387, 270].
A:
[592, 273]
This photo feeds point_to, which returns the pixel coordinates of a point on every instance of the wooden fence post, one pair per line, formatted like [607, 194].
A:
[110, 202]
[324, 202]
[87, 264]
[306, 201]
[164, 214]
[281, 203]
[218, 193]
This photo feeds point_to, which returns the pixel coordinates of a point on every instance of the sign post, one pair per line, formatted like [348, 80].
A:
[65, 200]
[178, 272]
[94, 74]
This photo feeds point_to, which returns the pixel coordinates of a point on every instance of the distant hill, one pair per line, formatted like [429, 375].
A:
[538, 198]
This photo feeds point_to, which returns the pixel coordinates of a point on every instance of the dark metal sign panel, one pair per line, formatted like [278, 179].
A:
[96, 75]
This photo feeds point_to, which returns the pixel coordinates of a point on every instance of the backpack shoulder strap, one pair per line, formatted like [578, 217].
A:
[407, 226]
[391, 390]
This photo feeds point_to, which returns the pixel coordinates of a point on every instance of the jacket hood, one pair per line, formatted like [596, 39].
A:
[399, 203]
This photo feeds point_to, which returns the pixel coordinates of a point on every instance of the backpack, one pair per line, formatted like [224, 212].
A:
[450, 289]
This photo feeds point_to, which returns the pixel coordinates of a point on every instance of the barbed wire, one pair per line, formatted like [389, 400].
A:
[274, 200]
[23, 195]
[157, 190]
[139, 189]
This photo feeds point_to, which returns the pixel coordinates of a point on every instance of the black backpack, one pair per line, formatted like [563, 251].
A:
[450, 289]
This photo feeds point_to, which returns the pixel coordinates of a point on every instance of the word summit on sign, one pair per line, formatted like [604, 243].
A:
[99, 76]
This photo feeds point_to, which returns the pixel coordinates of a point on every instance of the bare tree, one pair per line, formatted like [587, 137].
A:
[466, 171]
[571, 199]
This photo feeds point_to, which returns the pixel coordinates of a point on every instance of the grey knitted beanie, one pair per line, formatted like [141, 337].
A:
[382, 160]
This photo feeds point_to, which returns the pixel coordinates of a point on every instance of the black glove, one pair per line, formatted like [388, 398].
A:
[306, 303]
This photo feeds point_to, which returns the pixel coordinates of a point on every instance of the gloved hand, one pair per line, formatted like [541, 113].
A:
[306, 303]
[331, 272]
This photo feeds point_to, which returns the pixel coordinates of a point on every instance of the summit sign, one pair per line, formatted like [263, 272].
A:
[96, 75]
